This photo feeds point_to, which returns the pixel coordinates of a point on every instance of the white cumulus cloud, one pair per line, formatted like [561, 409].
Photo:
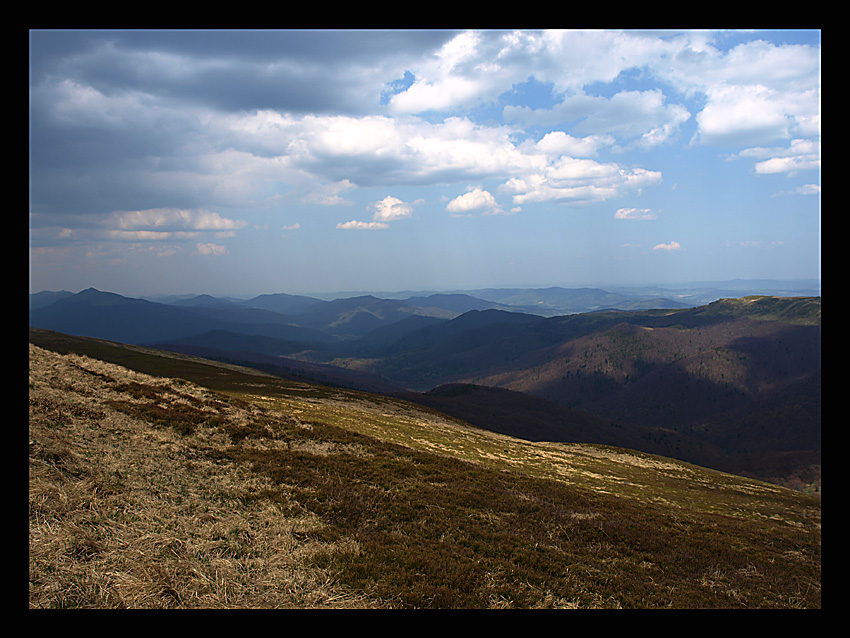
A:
[635, 214]
[391, 208]
[358, 225]
[386, 210]
[175, 219]
[475, 200]
[673, 245]
[561, 143]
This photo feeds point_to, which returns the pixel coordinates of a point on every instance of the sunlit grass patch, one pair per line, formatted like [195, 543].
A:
[155, 492]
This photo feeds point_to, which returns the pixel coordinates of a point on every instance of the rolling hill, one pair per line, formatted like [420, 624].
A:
[734, 385]
[160, 480]
[692, 383]
[110, 316]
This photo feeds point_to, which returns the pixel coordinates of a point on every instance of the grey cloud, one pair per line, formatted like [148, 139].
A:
[297, 71]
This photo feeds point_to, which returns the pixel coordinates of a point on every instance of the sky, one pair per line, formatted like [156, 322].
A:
[239, 163]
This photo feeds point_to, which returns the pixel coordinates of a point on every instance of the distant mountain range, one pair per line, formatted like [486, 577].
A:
[353, 316]
[732, 384]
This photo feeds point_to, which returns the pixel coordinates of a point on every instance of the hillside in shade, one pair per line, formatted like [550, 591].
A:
[734, 384]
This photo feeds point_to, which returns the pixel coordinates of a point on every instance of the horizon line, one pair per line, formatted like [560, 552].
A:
[811, 282]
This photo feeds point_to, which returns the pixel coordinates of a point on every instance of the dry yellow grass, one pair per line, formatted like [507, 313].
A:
[123, 515]
[252, 492]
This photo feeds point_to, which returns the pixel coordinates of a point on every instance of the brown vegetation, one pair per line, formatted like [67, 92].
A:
[150, 491]
[132, 504]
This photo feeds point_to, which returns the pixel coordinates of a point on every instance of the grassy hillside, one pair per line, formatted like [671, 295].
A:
[166, 481]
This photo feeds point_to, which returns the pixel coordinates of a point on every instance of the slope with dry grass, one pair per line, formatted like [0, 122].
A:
[227, 488]
[127, 510]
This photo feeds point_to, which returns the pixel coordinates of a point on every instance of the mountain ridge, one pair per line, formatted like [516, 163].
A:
[681, 371]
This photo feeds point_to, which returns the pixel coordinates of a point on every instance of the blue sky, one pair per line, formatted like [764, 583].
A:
[250, 162]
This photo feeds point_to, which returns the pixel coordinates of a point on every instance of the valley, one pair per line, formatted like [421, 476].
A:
[733, 384]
